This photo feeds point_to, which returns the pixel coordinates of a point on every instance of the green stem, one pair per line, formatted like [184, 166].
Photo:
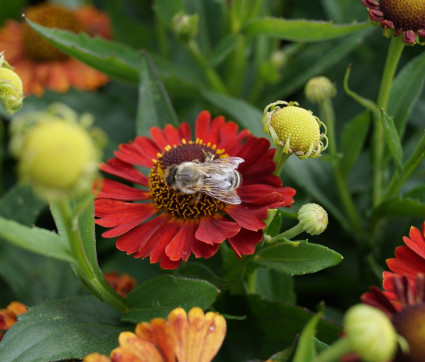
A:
[335, 351]
[327, 114]
[210, 73]
[1, 154]
[83, 267]
[251, 281]
[279, 159]
[290, 233]
[393, 57]
[414, 160]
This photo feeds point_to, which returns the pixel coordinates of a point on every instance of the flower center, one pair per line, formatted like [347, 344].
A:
[410, 323]
[405, 14]
[173, 201]
[51, 16]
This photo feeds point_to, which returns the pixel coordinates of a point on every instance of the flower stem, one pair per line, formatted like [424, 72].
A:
[393, 57]
[336, 350]
[1, 154]
[328, 115]
[83, 267]
[210, 73]
[279, 159]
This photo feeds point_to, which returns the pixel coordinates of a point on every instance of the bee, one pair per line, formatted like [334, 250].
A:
[217, 178]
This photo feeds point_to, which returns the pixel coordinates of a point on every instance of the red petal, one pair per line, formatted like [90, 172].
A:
[116, 190]
[249, 217]
[180, 246]
[376, 298]
[166, 263]
[258, 159]
[406, 262]
[125, 171]
[136, 239]
[230, 140]
[416, 241]
[159, 138]
[203, 250]
[214, 230]
[244, 242]
[260, 194]
[184, 131]
[202, 125]
[172, 135]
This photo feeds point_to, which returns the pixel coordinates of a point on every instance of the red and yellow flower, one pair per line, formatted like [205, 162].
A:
[122, 284]
[192, 337]
[9, 316]
[39, 64]
[167, 225]
[402, 17]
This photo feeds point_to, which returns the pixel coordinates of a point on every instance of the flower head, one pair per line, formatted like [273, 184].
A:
[172, 221]
[184, 26]
[319, 89]
[57, 156]
[11, 90]
[406, 17]
[39, 64]
[8, 316]
[295, 129]
[370, 333]
[313, 218]
[192, 337]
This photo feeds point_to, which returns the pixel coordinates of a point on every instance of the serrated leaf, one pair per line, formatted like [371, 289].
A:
[35, 239]
[302, 259]
[300, 30]
[245, 114]
[114, 59]
[397, 207]
[352, 140]
[405, 91]
[65, 329]
[306, 350]
[393, 140]
[154, 107]
[158, 296]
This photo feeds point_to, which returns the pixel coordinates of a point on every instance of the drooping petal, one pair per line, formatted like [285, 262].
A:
[204, 250]
[134, 349]
[377, 299]
[416, 241]
[180, 245]
[244, 242]
[214, 230]
[248, 217]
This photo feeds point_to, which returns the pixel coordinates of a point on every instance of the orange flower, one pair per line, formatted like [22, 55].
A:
[192, 337]
[39, 64]
[8, 316]
[123, 284]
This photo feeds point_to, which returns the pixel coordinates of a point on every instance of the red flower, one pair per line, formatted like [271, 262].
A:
[168, 225]
[409, 260]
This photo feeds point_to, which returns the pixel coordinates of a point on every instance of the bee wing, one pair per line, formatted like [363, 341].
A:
[232, 162]
[227, 196]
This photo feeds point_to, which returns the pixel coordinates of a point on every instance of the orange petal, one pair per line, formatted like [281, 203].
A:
[161, 334]
[133, 348]
[178, 322]
[17, 308]
[96, 357]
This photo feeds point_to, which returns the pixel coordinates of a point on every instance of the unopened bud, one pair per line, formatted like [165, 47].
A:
[319, 89]
[185, 26]
[11, 90]
[313, 218]
[370, 333]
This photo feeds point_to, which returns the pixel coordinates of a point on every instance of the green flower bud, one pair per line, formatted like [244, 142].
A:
[319, 89]
[313, 218]
[370, 333]
[11, 90]
[185, 26]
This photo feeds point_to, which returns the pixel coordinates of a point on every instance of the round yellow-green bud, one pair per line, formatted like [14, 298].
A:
[370, 333]
[319, 89]
[297, 130]
[11, 90]
[184, 26]
[313, 218]
[58, 158]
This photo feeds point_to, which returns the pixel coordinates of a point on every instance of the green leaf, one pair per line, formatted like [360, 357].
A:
[300, 30]
[158, 296]
[154, 108]
[405, 91]
[245, 114]
[35, 239]
[393, 140]
[21, 205]
[65, 329]
[165, 9]
[274, 286]
[306, 350]
[114, 59]
[400, 207]
[222, 50]
[352, 140]
[297, 260]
